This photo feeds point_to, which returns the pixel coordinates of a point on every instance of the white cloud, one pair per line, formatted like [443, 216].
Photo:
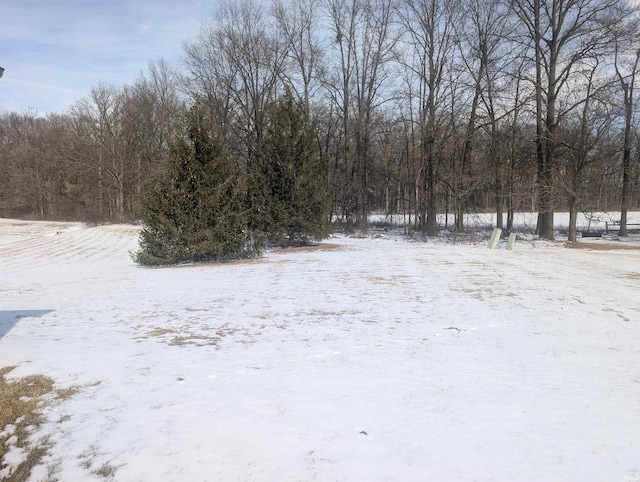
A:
[55, 51]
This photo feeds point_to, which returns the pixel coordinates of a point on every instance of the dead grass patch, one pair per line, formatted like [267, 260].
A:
[22, 402]
[603, 246]
[21, 405]
[197, 340]
[330, 313]
[208, 264]
[308, 248]
[387, 280]
[189, 334]
[88, 460]
[200, 339]
[106, 471]
[159, 332]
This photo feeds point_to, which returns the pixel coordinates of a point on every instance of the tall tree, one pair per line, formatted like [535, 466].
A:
[107, 148]
[485, 56]
[295, 177]
[364, 42]
[561, 33]
[627, 67]
[198, 213]
[583, 140]
[430, 40]
[237, 66]
[298, 22]
[154, 117]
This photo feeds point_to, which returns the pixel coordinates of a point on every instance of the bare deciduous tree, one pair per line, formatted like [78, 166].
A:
[627, 67]
[430, 41]
[561, 33]
[298, 22]
[237, 65]
[364, 42]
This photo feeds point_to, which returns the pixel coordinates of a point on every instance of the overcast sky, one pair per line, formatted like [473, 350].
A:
[54, 51]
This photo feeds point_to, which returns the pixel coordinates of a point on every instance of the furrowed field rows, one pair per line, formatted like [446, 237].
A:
[76, 243]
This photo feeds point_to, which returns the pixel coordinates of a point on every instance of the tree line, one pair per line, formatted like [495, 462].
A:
[420, 107]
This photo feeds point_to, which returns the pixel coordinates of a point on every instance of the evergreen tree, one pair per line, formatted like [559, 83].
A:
[294, 176]
[199, 213]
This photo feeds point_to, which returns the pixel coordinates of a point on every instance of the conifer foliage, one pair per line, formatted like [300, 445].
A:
[294, 176]
[210, 208]
[199, 212]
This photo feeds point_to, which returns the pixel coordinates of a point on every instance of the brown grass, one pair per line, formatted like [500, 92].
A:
[603, 246]
[197, 340]
[188, 334]
[22, 401]
[308, 248]
[21, 406]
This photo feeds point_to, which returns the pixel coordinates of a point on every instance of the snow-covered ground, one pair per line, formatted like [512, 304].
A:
[361, 360]
[526, 222]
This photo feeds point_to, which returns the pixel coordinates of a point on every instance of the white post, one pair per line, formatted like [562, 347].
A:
[495, 238]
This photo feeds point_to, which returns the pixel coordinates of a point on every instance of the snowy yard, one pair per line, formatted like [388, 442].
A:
[360, 360]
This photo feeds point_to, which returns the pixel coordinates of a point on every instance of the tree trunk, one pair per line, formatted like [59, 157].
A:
[626, 157]
[573, 217]
[432, 210]
[498, 196]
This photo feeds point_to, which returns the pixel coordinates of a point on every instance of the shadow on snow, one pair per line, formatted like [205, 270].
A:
[8, 318]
